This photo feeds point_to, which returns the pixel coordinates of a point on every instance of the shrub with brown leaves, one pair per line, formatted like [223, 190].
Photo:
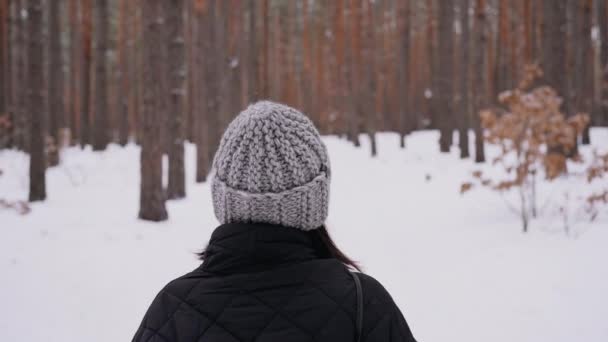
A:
[533, 135]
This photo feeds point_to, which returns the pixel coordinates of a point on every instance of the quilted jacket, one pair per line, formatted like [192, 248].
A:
[268, 283]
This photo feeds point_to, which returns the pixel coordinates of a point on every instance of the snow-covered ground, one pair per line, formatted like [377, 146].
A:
[81, 267]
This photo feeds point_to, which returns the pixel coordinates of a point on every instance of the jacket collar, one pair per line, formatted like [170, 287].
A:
[251, 247]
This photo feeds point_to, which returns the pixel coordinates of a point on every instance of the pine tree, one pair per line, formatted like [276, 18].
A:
[584, 102]
[152, 197]
[445, 75]
[36, 106]
[101, 131]
[480, 76]
[85, 72]
[4, 70]
[463, 124]
[200, 102]
[55, 73]
[124, 94]
[75, 69]
[175, 27]
[553, 54]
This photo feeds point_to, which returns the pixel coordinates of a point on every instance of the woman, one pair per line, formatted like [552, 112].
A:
[271, 272]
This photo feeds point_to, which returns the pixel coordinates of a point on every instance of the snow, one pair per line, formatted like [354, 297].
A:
[81, 267]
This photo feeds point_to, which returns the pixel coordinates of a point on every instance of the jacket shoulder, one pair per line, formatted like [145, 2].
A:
[164, 306]
[382, 319]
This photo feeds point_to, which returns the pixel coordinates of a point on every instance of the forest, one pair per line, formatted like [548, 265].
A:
[159, 73]
[467, 143]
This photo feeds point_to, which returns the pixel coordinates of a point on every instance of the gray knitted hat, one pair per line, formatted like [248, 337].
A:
[271, 167]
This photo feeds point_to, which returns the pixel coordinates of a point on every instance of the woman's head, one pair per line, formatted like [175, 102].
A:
[271, 167]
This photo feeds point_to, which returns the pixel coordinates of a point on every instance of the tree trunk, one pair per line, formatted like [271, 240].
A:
[603, 30]
[371, 110]
[553, 62]
[101, 133]
[214, 78]
[585, 102]
[480, 80]
[36, 102]
[124, 93]
[433, 65]
[463, 127]
[265, 72]
[85, 111]
[253, 60]
[200, 103]
[502, 44]
[406, 123]
[20, 82]
[152, 198]
[55, 74]
[444, 75]
[190, 73]
[75, 70]
[4, 70]
[175, 28]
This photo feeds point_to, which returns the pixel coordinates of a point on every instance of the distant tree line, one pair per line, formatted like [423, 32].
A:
[161, 72]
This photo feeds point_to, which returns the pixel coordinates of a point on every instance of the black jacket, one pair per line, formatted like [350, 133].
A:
[268, 283]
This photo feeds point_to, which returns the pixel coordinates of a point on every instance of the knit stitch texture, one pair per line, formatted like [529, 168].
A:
[271, 167]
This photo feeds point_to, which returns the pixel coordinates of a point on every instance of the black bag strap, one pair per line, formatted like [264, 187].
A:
[359, 321]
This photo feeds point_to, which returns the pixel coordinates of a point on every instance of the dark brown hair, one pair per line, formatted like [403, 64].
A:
[327, 248]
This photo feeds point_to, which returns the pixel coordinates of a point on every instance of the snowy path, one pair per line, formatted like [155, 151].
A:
[458, 266]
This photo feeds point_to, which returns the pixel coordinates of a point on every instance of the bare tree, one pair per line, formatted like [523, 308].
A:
[55, 73]
[463, 124]
[124, 94]
[602, 9]
[85, 72]
[175, 28]
[19, 88]
[75, 69]
[200, 102]
[445, 74]
[152, 197]
[36, 106]
[101, 131]
[553, 54]
[4, 70]
[480, 83]
[584, 102]
[406, 123]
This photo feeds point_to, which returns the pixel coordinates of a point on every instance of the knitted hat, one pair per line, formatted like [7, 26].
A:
[271, 167]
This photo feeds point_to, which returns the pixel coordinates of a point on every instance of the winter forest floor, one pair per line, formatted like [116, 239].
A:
[81, 267]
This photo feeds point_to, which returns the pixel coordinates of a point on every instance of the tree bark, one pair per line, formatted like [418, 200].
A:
[585, 101]
[480, 76]
[200, 102]
[214, 78]
[175, 28]
[101, 132]
[406, 123]
[20, 83]
[85, 111]
[4, 70]
[463, 127]
[152, 198]
[502, 48]
[603, 30]
[445, 75]
[553, 62]
[75, 70]
[55, 73]
[124, 93]
[36, 106]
